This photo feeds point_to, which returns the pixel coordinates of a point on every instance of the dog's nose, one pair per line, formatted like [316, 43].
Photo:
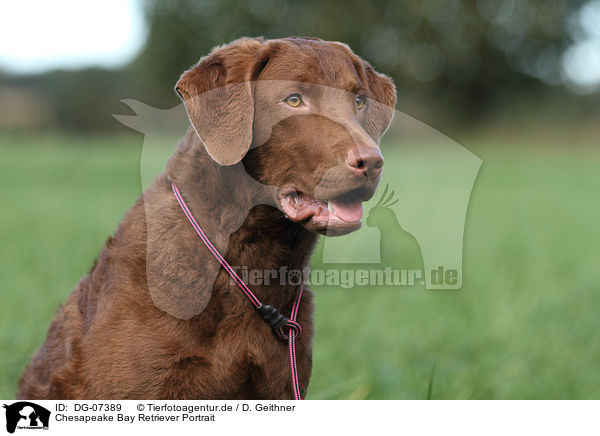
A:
[365, 162]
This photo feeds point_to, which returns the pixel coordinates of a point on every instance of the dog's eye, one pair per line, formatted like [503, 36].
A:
[360, 101]
[293, 100]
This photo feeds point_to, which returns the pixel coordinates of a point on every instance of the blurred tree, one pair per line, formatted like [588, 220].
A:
[79, 100]
[455, 62]
[471, 55]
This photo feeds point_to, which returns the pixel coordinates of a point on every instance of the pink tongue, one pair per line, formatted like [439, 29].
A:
[349, 210]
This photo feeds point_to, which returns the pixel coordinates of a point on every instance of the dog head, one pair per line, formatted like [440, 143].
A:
[304, 116]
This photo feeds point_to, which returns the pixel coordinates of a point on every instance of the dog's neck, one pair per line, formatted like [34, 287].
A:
[238, 215]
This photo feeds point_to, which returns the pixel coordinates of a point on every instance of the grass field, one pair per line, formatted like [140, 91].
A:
[525, 324]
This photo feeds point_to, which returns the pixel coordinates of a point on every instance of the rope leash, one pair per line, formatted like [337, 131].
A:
[286, 329]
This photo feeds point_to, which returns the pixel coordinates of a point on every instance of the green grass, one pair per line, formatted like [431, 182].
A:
[525, 324]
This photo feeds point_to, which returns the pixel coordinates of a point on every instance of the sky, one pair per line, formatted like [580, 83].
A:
[581, 62]
[109, 33]
[37, 36]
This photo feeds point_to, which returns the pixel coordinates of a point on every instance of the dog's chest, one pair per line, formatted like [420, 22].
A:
[234, 371]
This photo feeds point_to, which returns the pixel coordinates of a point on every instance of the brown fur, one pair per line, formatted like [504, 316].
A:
[115, 337]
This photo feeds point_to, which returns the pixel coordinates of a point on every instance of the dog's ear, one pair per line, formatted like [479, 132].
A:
[219, 100]
[382, 99]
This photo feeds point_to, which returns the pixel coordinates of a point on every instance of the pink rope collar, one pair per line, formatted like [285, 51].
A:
[271, 315]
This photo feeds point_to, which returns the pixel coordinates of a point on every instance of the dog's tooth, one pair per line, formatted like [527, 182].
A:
[330, 207]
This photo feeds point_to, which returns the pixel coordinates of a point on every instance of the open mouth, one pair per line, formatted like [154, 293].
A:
[343, 211]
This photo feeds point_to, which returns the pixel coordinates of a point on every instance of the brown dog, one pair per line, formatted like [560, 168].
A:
[284, 146]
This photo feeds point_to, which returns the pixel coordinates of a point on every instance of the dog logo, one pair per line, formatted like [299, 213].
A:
[26, 415]
[416, 225]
